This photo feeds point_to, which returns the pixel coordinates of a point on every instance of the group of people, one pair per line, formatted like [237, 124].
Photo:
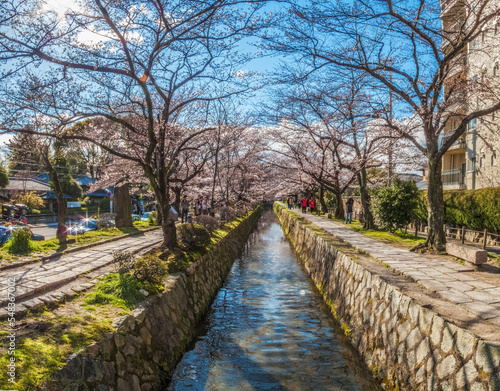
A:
[311, 204]
[304, 203]
[201, 206]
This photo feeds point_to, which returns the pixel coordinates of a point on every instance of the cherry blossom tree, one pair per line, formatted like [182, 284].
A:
[415, 50]
[148, 69]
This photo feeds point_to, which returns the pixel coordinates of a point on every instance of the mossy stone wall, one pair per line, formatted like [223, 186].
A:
[147, 344]
[407, 346]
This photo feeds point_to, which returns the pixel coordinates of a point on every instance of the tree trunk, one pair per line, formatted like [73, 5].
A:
[177, 203]
[168, 225]
[436, 238]
[365, 200]
[322, 202]
[339, 207]
[62, 230]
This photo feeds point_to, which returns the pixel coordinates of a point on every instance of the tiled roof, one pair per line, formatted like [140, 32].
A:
[27, 185]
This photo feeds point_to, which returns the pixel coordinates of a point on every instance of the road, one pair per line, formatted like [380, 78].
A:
[47, 230]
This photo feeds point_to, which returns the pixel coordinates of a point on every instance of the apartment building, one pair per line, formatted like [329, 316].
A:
[472, 83]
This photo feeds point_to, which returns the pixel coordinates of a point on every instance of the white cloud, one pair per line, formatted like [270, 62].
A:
[60, 7]
[4, 138]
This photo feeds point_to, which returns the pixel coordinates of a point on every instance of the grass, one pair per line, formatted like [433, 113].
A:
[120, 290]
[400, 238]
[53, 245]
[48, 340]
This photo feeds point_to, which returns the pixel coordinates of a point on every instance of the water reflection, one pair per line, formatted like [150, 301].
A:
[268, 329]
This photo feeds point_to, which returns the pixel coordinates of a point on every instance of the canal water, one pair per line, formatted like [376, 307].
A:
[268, 329]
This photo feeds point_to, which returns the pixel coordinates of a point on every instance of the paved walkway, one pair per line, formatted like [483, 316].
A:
[45, 277]
[451, 280]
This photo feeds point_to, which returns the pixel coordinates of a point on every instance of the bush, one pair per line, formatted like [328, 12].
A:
[21, 241]
[193, 236]
[209, 222]
[151, 269]
[30, 199]
[475, 209]
[153, 218]
[226, 214]
[124, 261]
[396, 206]
[105, 204]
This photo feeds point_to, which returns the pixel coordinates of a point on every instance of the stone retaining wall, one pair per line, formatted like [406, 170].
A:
[407, 346]
[147, 344]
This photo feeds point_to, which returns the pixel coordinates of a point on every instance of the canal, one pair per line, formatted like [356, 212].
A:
[269, 329]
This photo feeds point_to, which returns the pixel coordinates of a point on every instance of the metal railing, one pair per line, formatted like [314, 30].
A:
[453, 177]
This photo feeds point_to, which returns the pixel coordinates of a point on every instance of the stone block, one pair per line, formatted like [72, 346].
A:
[448, 337]
[466, 376]
[487, 356]
[423, 351]
[123, 206]
[464, 343]
[467, 253]
[446, 367]
[414, 338]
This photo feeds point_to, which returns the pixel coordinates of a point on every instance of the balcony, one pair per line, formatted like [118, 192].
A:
[457, 145]
[454, 179]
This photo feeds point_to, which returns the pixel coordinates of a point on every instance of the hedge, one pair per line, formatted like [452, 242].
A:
[474, 209]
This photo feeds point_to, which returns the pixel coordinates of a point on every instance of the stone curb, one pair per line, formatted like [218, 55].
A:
[55, 297]
[16, 265]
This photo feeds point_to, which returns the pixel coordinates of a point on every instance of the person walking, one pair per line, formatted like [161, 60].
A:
[197, 207]
[204, 206]
[312, 204]
[290, 202]
[304, 205]
[348, 216]
[184, 209]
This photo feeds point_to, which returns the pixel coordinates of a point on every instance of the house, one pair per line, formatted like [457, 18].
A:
[85, 182]
[471, 162]
[50, 200]
[97, 195]
[21, 185]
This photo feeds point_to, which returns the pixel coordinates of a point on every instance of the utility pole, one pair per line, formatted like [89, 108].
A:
[390, 151]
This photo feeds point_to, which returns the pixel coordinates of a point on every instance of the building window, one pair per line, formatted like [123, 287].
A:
[482, 158]
[493, 116]
[473, 124]
[474, 44]
[493, 158]
[495, 70]
[483, 36]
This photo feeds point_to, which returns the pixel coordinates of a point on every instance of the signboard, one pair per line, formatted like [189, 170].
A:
[74, 204]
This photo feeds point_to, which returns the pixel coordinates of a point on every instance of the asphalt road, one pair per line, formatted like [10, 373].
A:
[49, 230]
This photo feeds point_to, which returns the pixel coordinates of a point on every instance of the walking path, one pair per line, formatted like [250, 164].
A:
[39, 284]
[451, 280]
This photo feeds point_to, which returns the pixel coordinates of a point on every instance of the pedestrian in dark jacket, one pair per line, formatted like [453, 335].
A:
[348, 216]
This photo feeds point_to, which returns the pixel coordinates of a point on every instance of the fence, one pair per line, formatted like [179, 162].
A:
[463, 234]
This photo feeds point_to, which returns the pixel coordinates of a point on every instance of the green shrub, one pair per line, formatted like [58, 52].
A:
[124, 261]
[193, 236]
[475, 209]
[396, 206]
[153, 217]
[31, 199]
[150, 269]
[209, 222]
[226, 214]
[21, 241]
[105, 203]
